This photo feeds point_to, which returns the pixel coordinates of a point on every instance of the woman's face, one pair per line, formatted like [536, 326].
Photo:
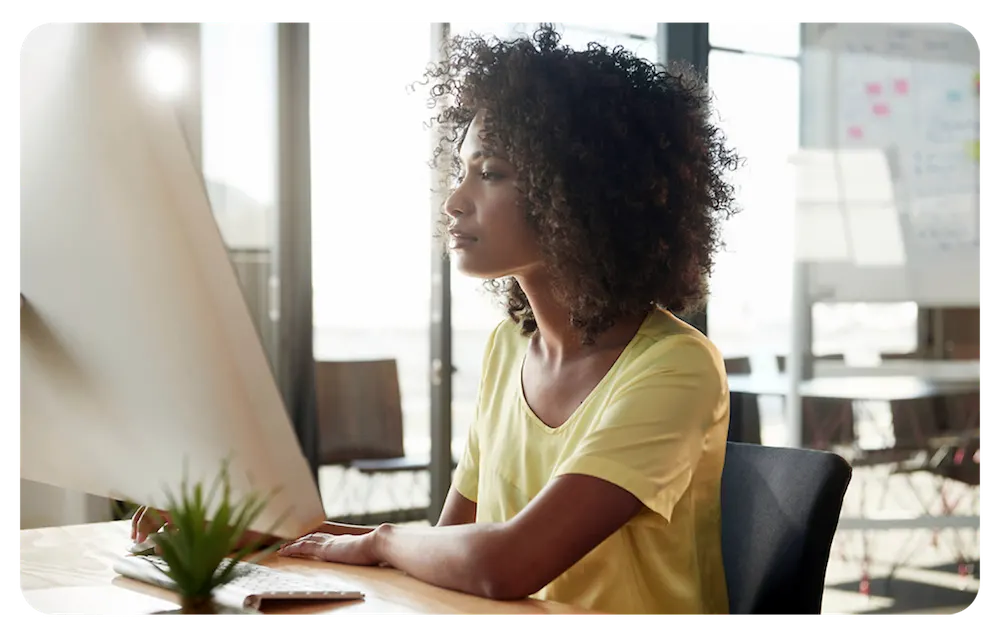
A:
[489, 234]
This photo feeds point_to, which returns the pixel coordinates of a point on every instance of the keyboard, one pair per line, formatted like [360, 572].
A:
[252, 585]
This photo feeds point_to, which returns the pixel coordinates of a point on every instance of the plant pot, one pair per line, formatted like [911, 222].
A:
[199, 611]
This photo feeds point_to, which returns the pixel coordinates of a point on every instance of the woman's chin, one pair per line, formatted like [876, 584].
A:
[468, 266]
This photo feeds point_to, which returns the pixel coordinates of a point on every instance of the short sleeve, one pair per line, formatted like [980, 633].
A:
[651, 436]
[466, 477]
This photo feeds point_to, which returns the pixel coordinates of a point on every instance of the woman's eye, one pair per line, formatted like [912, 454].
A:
[484, 175]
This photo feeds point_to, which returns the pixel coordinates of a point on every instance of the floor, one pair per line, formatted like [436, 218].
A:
[910, 571]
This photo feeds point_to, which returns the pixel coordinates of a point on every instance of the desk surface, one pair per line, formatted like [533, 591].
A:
[874, 388]
[68, 570]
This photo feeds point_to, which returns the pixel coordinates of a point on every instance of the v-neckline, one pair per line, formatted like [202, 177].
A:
[569, 420]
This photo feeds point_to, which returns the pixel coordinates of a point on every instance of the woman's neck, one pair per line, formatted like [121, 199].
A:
[557, 339]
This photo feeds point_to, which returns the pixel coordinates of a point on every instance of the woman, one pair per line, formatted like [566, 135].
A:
[590, 190]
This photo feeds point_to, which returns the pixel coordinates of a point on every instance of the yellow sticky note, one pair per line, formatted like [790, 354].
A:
[975, 150]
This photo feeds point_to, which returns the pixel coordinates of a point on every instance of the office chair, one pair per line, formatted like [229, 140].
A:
[780, 509]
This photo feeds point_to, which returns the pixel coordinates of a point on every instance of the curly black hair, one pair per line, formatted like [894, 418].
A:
[621, 169]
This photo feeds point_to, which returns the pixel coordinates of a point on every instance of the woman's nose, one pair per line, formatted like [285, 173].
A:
[456, 204]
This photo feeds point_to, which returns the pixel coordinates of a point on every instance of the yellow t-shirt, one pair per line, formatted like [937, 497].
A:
[656, 425]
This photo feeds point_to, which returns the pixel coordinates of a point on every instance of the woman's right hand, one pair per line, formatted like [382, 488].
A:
[145, 521]
[148, 520]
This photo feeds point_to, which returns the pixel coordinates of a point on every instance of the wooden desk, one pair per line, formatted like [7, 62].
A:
[68, 570]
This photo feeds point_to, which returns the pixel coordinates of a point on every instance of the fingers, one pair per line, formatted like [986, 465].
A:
[158, 520]
[135, 520]
[144, 526]
[145, 521]
[310, 546]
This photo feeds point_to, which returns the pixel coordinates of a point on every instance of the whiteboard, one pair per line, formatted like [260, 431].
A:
[910, 92]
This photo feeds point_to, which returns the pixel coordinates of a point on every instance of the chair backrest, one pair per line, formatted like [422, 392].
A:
[359, 411]
[737, 365]
[780, 509]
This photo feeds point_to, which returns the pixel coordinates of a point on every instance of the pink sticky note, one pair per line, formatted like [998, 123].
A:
[880, 109]
[873, 88]
[855, 133]
[902, 86]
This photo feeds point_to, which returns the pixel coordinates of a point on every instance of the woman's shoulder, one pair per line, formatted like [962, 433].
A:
[504, 343]
[666, 342]
[506, 333]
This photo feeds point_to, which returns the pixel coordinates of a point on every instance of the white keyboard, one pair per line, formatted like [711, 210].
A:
[252, 585]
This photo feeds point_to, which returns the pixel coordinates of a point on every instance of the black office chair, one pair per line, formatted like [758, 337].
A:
[780, 509]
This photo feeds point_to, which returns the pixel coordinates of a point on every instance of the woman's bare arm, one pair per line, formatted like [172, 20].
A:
[514, 559]
[458, 510]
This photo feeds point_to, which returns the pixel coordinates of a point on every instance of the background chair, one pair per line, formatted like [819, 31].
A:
[780, 510]
[360, 411]
[744, 425]
[360, 424]
[360, 419]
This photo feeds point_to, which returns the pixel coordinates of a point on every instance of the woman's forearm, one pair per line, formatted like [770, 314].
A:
[466, 558]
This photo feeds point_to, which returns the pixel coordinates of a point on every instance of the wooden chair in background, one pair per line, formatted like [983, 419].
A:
[360, 422]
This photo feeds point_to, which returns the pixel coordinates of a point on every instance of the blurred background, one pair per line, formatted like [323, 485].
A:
[846, 301]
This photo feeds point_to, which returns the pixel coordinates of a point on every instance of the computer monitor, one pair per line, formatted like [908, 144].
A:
[138, 352]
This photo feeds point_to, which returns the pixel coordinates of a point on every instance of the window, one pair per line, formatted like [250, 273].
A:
[371, 218]
[240, 155]
[239, 128]
[492, 29]
[781, 38]
[615, 28]
[635, 33]
[757, 107]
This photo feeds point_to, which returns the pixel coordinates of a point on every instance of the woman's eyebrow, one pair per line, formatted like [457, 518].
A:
[476, 155]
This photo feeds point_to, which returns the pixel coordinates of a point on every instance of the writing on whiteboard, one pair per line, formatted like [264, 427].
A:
[910, 92]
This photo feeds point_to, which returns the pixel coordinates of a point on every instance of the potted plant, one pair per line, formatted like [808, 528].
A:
[196, 542]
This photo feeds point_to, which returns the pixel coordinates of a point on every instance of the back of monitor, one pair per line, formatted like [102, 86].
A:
[139, 357]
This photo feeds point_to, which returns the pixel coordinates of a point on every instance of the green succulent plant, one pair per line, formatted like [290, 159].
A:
[196, 542]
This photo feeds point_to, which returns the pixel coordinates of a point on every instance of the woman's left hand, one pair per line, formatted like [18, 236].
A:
[345, 548]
